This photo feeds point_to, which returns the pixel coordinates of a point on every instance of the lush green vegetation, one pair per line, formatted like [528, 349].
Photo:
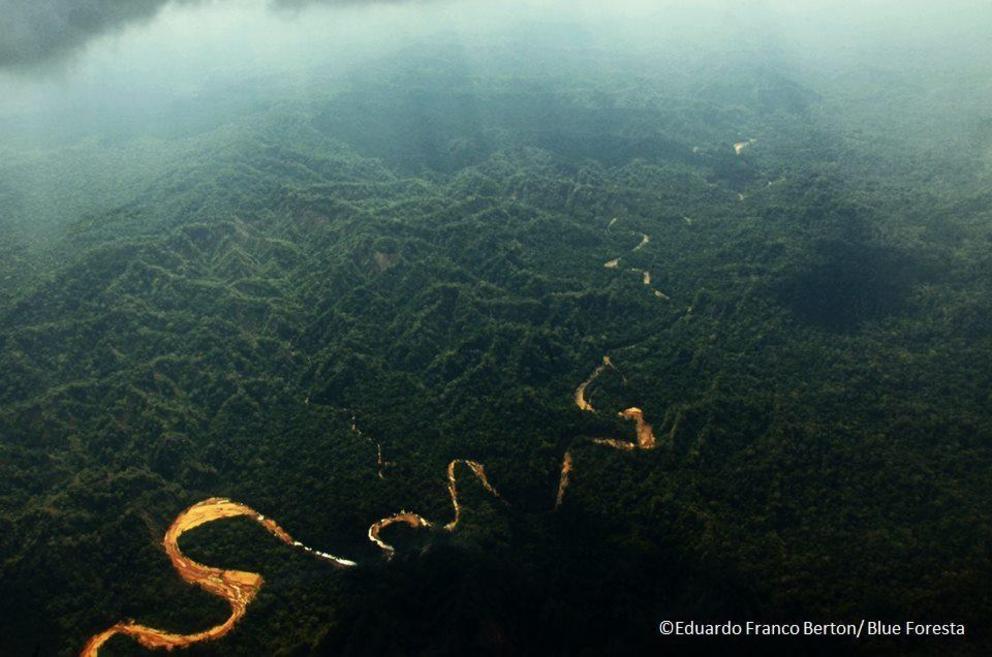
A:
[423, 250]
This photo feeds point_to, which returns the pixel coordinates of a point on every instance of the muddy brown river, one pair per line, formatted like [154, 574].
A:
[645, 432]
[239, 588]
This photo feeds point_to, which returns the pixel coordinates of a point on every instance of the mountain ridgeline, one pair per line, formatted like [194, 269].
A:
[316, 305]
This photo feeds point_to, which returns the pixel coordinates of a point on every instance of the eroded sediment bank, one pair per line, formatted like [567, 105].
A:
[417, 521]
[237, 587]
[645, 432]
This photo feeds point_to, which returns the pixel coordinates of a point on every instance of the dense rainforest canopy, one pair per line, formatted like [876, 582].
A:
[203, 299]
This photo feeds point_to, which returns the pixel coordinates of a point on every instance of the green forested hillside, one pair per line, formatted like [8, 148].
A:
[423, 250]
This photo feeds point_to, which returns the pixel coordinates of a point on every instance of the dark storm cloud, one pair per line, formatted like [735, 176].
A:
[38, 31]
[34, 31]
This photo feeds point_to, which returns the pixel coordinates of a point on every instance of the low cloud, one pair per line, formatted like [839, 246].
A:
[34, 32]
[340, 3]
[37, 31]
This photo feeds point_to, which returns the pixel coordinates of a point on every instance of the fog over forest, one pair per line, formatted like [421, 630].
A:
[495, 328]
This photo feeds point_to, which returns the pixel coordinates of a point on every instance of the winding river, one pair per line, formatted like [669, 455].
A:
[645, 274]
[645, 432]
[418, 521]
[239, 588]
[580, 392]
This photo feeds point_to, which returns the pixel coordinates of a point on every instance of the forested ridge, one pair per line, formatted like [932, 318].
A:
[421, 252]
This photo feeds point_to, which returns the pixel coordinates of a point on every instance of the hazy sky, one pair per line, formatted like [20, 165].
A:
[59, 53]
[113, 76]
[36, 33]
